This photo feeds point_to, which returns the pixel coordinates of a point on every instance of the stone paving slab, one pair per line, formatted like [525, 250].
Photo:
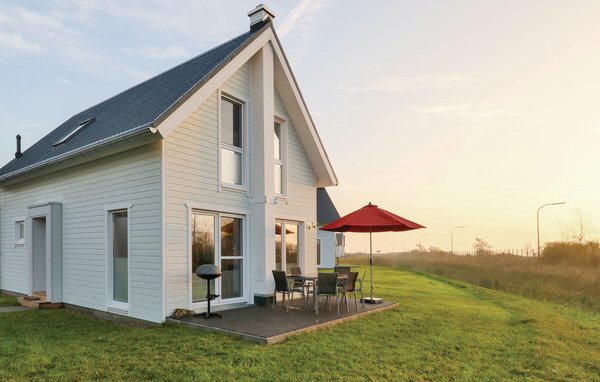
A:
[10, 309]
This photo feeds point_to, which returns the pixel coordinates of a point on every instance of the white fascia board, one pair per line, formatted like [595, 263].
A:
[304, 125]
[181, 113]
[303, 122]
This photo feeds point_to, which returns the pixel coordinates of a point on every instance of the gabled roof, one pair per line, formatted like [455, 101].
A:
[159, 104]
[326, 211]
[139, 107]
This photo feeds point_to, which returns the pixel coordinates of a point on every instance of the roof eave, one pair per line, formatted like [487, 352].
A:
[148, 128]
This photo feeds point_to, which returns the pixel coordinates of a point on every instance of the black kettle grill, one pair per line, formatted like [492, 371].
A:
[209, 272]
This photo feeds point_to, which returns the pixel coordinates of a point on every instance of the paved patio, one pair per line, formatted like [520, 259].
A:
[265, 325]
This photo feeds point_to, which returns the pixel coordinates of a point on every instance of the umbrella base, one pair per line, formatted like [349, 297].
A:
[373, 300]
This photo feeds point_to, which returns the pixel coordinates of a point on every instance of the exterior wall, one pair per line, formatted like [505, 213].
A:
[131, 178]
[191, 180]
[300, 203]
[328, 248]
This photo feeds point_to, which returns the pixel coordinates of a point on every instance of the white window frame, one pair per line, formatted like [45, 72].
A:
[113, 306]
[20, 241]
[284, 156]
[319, 254]
[300, 233]
[246, 261]
[243, 151]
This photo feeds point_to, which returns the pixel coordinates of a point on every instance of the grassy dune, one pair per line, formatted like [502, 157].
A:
[575, 285]
[443, 330]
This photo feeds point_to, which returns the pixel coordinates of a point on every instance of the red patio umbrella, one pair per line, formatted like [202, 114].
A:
[371, 219]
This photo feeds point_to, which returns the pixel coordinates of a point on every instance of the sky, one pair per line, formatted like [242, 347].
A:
[461, 113]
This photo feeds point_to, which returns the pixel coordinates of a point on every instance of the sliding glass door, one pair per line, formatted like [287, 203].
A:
[287, 253]
[218, 239]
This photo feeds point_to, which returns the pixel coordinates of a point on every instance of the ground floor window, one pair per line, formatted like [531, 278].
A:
[287, 253]
[319, 241]
[119, 255]
[218, 239]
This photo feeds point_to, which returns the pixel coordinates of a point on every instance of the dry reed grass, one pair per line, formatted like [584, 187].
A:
[576, 285]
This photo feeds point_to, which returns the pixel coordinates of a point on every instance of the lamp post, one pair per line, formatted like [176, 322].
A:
[452, 237]
[538, 221]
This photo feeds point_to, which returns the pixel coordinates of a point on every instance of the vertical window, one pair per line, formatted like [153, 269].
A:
[231, 142]
[203, 252]
[278, 160]
[20, 232]
[120, 256]
[319, 243]
[287, 253]
[231, 257]
[218, 239]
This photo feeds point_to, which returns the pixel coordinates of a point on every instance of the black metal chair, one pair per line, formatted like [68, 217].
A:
[351, 287]
[282, 285]
[344, 270]
[327, 285]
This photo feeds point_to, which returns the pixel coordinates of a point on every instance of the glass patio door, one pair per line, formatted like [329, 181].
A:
[218, 239]
[287, 253]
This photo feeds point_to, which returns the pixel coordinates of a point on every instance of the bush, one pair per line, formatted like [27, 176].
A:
[572, 253]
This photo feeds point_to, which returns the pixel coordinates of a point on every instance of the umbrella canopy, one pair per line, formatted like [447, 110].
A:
[371, 219]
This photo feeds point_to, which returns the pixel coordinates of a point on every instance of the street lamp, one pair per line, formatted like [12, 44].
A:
[538, 222]
[452, 237]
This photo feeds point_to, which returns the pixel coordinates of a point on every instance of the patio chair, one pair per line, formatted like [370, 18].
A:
[282, 285]
[297, 271]
[351, 287]
[361, 282]
[327, 284]
[344, 270]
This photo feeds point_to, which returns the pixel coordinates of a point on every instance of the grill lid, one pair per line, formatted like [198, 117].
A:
[208, 271]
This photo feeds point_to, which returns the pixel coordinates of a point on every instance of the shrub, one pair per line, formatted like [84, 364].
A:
[572, 253]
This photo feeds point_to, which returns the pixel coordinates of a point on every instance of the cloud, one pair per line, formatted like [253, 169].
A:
[14, 42]
[302, 18]
[404, 84]
[63, 81]
[464, 109]
[157, 53]
[43, 21]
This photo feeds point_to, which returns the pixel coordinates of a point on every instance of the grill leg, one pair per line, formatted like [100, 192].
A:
[209, 297]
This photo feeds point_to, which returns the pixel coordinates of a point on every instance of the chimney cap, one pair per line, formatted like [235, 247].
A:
[259, 14]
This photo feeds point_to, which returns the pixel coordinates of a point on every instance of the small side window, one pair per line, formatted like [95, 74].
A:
[20, 232]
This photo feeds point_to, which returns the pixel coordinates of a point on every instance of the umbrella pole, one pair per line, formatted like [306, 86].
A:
[371, 258]
[372, 300]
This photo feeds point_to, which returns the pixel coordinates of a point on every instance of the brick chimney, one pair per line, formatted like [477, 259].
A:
[259, 16]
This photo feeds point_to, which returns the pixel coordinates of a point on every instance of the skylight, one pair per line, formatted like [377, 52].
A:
[82, 125]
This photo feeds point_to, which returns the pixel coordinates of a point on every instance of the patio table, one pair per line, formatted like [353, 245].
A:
[342, 278]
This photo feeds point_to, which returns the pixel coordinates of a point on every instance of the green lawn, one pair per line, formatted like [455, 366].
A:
[7, 300]
[442, 330]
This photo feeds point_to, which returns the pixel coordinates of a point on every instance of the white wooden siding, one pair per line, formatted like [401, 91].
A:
[191, 176]
[132, 177]
[301, 192]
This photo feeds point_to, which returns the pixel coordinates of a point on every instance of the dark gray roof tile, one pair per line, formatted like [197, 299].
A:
[139, 106]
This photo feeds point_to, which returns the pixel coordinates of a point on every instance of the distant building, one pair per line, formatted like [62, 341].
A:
[330, 245]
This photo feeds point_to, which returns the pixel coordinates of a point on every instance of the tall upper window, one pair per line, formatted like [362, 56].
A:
[231, 142]
[278, 164]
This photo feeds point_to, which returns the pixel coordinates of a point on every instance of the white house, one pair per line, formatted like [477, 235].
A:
[330, 245]
[216, 160]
